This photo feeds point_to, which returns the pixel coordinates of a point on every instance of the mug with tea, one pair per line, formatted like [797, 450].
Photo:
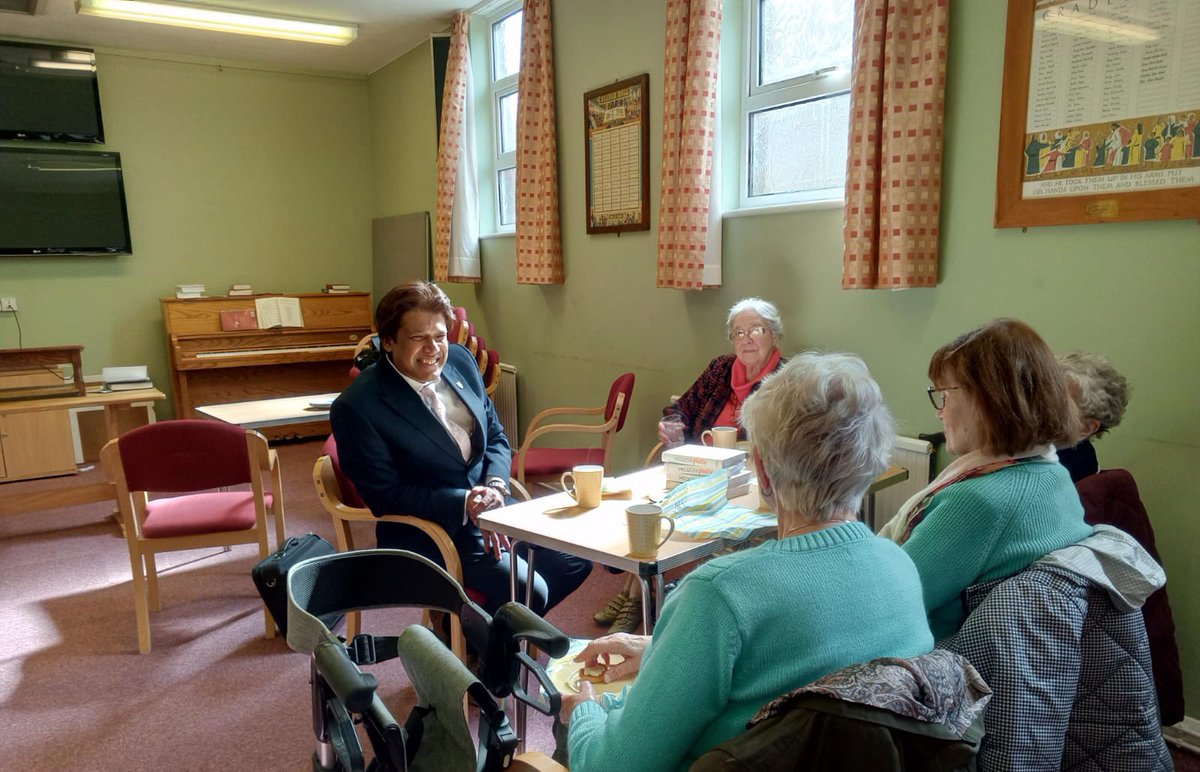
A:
[645, 522]
[583, 483]
[720, 436]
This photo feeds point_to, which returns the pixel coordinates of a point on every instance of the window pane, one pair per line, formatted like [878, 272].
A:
[506, 184]
[506, 46]
[799, 147]
[799, 37]
[508, 123]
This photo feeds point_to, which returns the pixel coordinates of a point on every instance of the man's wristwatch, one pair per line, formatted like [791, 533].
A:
[499, 485]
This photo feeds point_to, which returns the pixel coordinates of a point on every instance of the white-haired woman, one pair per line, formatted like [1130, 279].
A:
[747, 627]
[715, 399]
[1101, 393]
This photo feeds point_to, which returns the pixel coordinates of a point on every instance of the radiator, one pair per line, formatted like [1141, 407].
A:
[505, 400]
[917, 457]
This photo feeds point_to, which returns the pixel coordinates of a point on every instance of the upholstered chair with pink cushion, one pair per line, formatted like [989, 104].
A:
[191, 484]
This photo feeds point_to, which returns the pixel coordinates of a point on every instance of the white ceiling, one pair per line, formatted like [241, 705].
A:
[386, 29]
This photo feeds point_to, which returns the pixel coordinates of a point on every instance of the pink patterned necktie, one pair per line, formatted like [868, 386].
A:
[457, 433]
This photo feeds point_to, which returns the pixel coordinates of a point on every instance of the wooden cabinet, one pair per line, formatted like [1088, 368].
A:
[34, 444]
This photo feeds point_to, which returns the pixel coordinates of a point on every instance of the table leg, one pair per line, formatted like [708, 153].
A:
[111, 432]
[647, 621]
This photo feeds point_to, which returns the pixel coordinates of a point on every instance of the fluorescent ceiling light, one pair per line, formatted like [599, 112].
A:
[46, 64]
[222, 20]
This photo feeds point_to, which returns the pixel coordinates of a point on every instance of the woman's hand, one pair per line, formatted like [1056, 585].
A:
[570, 701]
[629, 646]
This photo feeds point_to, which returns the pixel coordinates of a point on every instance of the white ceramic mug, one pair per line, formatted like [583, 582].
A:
[645, 529]
[720, 436]
[585, 483]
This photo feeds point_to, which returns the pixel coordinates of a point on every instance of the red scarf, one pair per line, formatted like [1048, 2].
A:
[741, 386]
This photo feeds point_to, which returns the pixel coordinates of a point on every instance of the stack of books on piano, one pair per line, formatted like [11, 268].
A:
[189, 290]
[336, 289]
[688, 462]
[125, 378]
[237, 290]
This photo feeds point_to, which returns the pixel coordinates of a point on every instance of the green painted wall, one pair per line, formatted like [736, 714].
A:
[231, 175]
[404, 134]
[1128, 290]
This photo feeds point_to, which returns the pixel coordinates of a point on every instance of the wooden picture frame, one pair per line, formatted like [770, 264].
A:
[616, 137]
[1085, 153]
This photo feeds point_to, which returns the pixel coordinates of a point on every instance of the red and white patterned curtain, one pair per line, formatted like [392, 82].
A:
[689, 235]
[539, 242]
[894, 174]
[456, 224]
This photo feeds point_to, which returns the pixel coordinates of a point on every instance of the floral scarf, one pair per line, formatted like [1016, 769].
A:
[973, 464]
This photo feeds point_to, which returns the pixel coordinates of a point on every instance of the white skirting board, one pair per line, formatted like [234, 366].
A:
[917, 457]
[505, 400]
[1185, 734]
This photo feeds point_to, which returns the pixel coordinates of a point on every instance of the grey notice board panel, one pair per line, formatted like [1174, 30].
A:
[402, 251]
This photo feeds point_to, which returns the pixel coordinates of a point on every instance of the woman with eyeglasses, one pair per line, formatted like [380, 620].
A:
[1005, 501]
[716, 398]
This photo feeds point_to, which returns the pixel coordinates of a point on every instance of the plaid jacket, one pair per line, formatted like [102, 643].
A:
[1066, 656]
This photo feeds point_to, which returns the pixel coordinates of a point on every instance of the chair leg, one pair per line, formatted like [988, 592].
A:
[277, 505]
[263, 552]
[141, 608]
[151, 575]
[353, 625]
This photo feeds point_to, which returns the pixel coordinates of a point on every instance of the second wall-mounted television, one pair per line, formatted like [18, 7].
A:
[49, 93]
[62, 202]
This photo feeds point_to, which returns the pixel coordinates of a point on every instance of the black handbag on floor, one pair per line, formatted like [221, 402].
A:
[270, 576]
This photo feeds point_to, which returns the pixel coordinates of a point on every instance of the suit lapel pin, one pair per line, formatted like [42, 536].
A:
[458, 384]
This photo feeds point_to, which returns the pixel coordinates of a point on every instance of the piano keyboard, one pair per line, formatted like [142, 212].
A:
[327, 347]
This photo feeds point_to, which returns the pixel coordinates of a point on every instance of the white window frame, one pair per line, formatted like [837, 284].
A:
[756, 98]
[497, 89]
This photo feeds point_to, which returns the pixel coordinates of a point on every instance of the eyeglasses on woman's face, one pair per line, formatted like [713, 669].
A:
[753, 333]
[937, 395]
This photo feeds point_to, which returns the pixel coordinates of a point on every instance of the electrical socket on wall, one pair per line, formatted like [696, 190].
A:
[8, 304]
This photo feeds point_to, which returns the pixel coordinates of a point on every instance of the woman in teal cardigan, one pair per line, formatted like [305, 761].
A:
[748, 627]
[1005, 501]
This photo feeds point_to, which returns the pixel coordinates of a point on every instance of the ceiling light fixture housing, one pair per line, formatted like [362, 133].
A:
[222, 20]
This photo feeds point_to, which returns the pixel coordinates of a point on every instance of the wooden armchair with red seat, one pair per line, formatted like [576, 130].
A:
[546, 465]
[195, 461]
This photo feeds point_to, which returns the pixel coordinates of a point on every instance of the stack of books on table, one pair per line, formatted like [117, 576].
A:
[189, 290]
[125, 378]
[336, 289]
[687, 462]
[236, 290]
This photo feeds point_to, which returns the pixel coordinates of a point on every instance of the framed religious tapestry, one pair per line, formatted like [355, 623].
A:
[1099, 113]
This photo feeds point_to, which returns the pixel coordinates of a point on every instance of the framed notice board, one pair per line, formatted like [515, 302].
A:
[1099, 113]
[617, 152]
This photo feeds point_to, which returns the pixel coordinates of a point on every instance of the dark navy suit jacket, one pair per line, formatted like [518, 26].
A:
[403, 461]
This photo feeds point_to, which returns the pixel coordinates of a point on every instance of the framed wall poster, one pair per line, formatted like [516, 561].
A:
[617, 154]
[1099, 112]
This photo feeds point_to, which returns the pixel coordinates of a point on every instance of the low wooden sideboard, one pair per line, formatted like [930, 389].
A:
[211, 366]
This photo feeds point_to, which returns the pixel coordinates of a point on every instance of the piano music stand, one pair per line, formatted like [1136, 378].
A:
[47, 358]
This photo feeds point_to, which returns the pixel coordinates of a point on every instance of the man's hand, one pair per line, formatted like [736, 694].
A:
[631, 647]
[482, 498]
[570, 701]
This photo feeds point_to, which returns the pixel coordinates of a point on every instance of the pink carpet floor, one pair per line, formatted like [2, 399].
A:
[212, 694]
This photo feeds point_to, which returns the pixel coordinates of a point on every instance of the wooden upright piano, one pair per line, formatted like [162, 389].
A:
[210, 365]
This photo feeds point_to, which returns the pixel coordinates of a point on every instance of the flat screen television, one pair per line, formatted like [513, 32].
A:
[49, 93]
[62, 202]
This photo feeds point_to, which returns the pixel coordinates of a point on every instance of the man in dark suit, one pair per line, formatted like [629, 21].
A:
[417, 434]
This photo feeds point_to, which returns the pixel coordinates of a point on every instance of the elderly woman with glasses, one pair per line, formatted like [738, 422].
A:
[750, 626]
[716, 398]
[1004, 501]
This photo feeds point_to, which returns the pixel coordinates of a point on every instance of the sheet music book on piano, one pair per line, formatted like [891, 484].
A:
[278, 312]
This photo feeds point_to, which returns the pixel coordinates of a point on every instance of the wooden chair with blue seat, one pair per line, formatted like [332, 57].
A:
[546, 465]
[192, 460]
